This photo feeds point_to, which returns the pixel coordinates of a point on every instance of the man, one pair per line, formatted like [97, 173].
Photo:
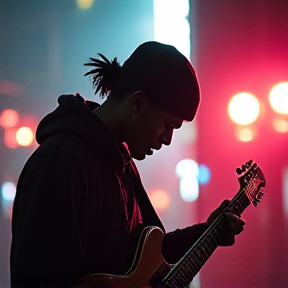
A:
[79, 197]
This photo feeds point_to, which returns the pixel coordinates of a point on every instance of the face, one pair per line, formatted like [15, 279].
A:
[152, 128]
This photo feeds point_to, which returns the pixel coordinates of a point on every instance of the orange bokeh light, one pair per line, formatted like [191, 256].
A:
[245, 134]
[160, 199]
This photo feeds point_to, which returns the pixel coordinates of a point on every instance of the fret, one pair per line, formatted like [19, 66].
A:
[184, 278]
[209, 245]
[240, 207]
[178, 282]
[216, 237]
[202, 247]
[195, 261]
[187, 272]
[217, 232]
[186, 268]
[193, 265]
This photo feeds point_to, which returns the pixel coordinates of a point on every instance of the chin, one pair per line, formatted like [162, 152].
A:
[138, 156]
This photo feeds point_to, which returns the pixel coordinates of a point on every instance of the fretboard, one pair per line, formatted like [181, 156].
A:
[185, 270]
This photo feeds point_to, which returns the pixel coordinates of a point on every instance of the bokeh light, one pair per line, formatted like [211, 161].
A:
[159, 199]
[24, 136]
[244, 108]
[280, 125]
[186, 168]
[9, 118]
[10, 138]
[85, 4]
[278, 98]
[245, 134]
[203, 174]
[8, 191]
[189, 189]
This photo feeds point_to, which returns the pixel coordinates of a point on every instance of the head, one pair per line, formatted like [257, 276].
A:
[147, 126]
[158, 85]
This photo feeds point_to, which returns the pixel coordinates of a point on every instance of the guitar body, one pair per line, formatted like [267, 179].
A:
[147, 261]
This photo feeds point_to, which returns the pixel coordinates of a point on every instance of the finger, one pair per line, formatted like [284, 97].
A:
[234, 218]
[229, 240]
[217, 211]
[236, 223]
[224, 204]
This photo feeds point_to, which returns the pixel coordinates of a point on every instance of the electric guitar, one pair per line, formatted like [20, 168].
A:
[150, 270]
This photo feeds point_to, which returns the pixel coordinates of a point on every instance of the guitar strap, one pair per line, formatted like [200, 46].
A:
[149, 215]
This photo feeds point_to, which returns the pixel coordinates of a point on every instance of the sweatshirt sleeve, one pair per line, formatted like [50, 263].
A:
[45, 223]
[177, 243]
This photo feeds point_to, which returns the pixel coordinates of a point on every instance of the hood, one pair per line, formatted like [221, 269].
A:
[75, 115]
[72, 115]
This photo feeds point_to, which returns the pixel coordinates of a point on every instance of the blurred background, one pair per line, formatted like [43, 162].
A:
[240, 51]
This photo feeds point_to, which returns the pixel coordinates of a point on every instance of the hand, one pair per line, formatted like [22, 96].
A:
[236, 224]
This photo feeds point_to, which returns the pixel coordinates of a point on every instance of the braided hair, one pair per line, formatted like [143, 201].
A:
[105, 76]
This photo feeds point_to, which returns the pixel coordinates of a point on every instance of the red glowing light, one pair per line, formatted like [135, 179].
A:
[9, 118]
[10, 138]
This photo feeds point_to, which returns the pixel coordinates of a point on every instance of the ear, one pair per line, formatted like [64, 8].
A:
[139, 102]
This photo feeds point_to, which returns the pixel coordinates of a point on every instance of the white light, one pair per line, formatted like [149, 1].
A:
[171, 25]
[279, 98]
[189, 189]
[24, 136]
[8, 191]
[244, 108]
[179, 8]
[187, 168]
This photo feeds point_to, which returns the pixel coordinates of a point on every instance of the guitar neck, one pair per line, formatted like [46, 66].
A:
[186, 269]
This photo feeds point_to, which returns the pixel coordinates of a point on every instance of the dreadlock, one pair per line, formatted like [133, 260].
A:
[105, 76]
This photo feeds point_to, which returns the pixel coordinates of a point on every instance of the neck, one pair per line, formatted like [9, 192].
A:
[113, 116]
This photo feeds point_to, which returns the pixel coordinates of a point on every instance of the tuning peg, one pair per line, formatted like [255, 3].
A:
[254, 203]
[248, 164]
[238, 171]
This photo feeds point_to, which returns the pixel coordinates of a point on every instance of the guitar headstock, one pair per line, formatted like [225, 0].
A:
[252, 181]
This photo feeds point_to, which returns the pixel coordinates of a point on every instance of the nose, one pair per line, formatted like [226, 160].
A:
[166, 137]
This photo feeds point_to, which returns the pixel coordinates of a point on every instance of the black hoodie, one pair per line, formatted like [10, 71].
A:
[78, 198]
